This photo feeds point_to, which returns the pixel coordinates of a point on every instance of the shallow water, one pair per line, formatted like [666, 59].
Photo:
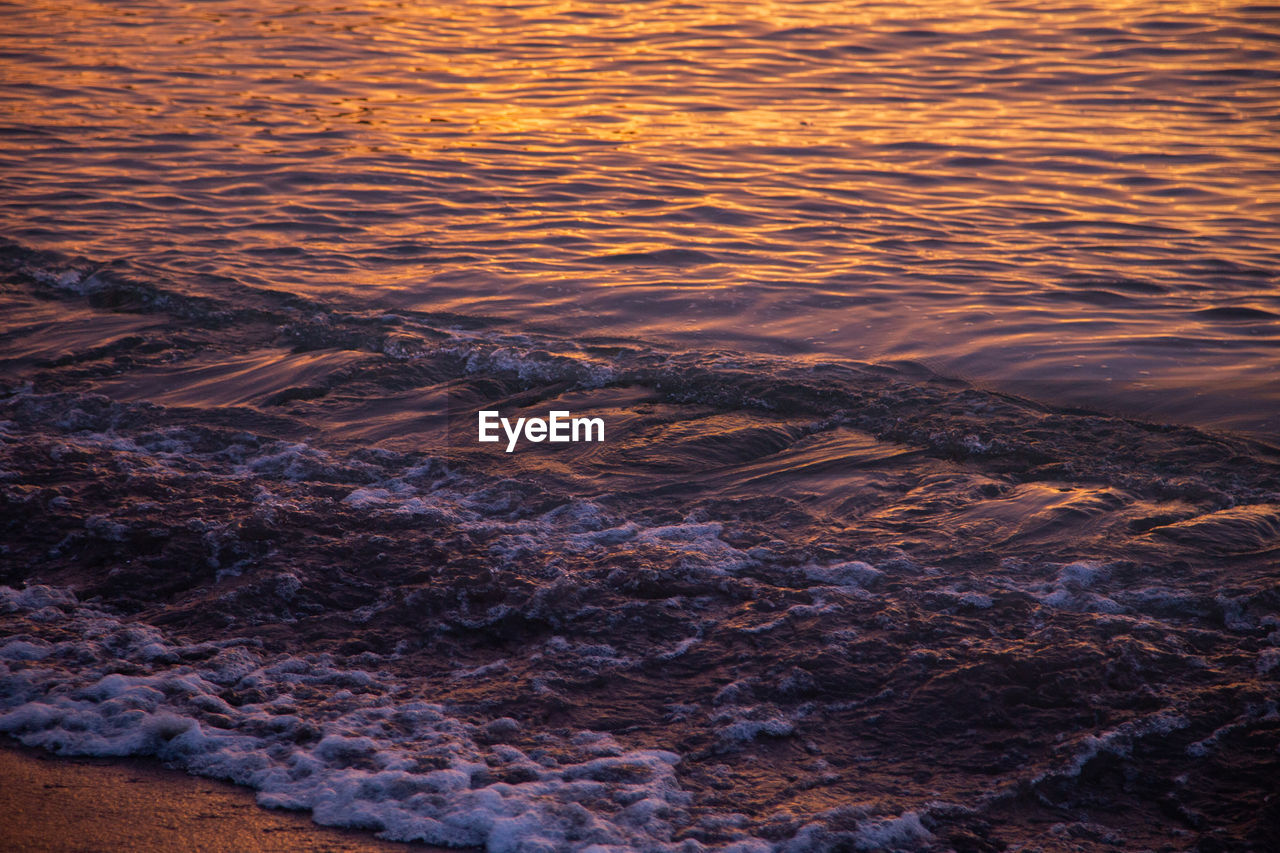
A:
[875, 554]
[785, 605]
[1071, 201]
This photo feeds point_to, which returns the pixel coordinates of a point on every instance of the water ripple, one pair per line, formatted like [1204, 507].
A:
[766, 171]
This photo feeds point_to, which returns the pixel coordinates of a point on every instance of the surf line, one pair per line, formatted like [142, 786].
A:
[557, 427]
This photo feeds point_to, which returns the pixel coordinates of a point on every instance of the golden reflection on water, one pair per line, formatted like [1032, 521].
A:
[961, 183]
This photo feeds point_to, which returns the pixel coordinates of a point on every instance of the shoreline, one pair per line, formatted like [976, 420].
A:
[61, 803]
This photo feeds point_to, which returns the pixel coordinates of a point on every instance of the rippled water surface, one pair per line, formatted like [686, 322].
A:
[826, 585]
[1073, 201]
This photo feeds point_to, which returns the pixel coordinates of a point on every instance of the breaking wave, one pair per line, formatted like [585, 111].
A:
[787, 604]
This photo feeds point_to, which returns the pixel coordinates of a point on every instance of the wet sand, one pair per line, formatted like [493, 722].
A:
[73, 804]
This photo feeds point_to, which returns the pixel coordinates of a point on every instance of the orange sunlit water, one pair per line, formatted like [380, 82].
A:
[1016, 193]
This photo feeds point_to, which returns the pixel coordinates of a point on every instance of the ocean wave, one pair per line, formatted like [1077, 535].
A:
[789, 604]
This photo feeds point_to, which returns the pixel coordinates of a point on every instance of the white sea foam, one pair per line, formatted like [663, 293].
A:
[884, 833]
[1117, 741]
[1074, 588]
[334, 740]
[848, 574]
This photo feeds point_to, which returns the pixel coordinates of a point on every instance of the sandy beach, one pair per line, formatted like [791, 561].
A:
[70, 804]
